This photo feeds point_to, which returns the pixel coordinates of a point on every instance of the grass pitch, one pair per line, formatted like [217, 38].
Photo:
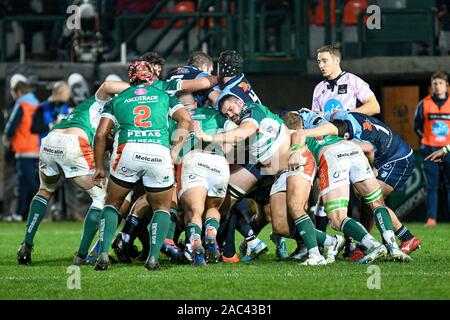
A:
[427, 277]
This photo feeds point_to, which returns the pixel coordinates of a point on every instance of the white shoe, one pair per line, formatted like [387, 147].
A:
[13, 218]
[399, 255]
[255, 249]
[315, 260]
[335, 248]
[373, 254]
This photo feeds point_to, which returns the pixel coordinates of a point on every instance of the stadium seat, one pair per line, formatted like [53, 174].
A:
[317, 16]
[352, 9]
[183, 7]
[160, 23]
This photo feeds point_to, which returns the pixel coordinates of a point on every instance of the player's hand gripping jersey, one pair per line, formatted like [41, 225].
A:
[189, 73]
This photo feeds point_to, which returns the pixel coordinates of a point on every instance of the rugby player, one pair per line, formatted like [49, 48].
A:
[67, 150]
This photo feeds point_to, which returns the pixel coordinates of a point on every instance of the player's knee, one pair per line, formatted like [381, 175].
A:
[46, 187]
[336, 217]
[282, 230]
[295, 206]
[194, 209]
[98, 197]
[45, 193]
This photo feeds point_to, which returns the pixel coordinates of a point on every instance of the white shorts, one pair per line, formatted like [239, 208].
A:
[307, 170]
[151, 162]
[199, 169]
[341, 164]
[68, 152]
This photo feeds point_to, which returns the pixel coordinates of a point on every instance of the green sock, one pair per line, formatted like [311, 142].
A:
[108, 225]
[212, 222]
[320, 237]
[158, 228]
[306, 229]
[173, 223]
[354, 229]
[191, 229]
[90, 227]
[384, 225]
[38, 207]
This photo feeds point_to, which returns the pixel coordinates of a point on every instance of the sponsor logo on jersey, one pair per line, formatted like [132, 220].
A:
[440, 129]
[142, 98]
[342, 89]
[140, 91]
[208, 167]
[350, 154]
[146, 133]
[53, 150]
[148, 158]
[244, 86]
[182, 71]
[333, 105]
[199, 117]
[367, 125]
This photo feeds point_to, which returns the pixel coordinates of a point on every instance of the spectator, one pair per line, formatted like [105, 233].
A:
[24, 144]
[432, 124]
[54, 109]
[443, 16]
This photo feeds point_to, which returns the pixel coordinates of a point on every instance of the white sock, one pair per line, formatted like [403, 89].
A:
[329, 240]
[125, 237]
[369, 242]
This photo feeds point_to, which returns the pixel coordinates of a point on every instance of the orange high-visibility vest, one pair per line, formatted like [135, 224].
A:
[436, 125]
[23, 140]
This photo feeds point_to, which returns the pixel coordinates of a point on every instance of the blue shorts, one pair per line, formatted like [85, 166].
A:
[395, 171]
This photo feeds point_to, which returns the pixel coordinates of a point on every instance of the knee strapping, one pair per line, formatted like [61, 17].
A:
[129, 196]
[336, 205]
[98, 197]
[373, 196]
[50, 187]
[236, 192]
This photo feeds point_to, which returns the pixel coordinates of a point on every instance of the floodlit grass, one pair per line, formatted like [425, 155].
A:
[427, 277]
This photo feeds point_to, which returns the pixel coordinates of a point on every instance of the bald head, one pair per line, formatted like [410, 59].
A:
[61, 92]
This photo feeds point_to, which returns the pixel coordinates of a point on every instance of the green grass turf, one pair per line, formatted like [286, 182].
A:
[427, 277]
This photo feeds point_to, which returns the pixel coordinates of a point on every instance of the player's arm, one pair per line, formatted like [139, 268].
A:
[244, 131]
[199, 84]
[109, 88]
[298, 146]
[104, 128]
[368, 150]
[418, 119]
[327, 128]
[184, 121]
[369, 107]
[213, 95]
[438, 155]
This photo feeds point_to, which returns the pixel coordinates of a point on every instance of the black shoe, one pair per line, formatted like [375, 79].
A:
[152, 264]
[24, 253]
[121, 250]
[133, 251]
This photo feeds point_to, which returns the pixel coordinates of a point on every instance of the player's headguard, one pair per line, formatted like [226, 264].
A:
[230, 64]
[141, 72]
[154, 59]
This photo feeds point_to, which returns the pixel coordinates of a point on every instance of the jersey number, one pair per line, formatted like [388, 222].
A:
[142, 114]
